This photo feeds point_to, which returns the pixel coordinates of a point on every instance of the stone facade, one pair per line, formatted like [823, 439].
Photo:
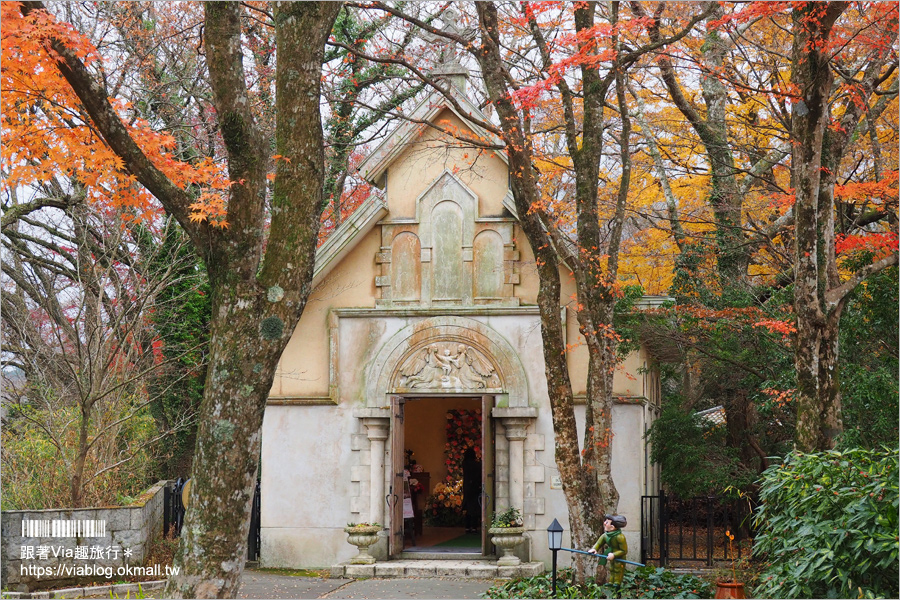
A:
[131, 527]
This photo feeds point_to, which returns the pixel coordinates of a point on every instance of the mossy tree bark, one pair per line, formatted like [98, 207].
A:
[259, 280]
[819, 294]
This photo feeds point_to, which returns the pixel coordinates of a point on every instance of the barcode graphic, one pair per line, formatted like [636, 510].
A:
[64, 528]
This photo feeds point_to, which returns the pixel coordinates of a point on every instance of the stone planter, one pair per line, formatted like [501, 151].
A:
[507, 538]
[362, 537]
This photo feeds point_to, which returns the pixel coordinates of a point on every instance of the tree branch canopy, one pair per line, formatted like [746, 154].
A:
[94, 97]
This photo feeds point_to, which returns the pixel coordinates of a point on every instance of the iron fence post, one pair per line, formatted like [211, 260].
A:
[663, 530]
[710, 500]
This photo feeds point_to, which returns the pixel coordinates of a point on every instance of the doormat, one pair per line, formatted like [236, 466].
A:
[467, 540]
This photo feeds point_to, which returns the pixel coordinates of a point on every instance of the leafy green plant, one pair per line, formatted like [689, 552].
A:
[511, 517]
[828, 525]
[644, 582]
[693, 454]
[869, 362]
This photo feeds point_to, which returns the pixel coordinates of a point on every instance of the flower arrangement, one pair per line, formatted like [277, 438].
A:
[443, 508]
[511, 517]
[463, 432]
[415, 486]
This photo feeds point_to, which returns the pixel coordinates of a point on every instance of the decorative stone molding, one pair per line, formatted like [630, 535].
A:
[367, 473]
[377, 428]
[370, 412]
[516, 421]
[515, 428]
[393, 367]
[447, 255]
[514, 411]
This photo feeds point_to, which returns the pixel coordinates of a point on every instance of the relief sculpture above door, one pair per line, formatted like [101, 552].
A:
[448, 365]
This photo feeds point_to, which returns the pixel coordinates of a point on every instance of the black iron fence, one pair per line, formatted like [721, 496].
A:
[173, 511]
[253, 538]
[677, 531]
[173, 516]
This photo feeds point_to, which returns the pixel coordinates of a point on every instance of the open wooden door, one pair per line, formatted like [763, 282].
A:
[395, 492]
[487, 474]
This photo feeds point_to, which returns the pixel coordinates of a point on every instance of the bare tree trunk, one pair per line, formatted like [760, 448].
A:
[253, 316]
[712, 129]
[584, 470]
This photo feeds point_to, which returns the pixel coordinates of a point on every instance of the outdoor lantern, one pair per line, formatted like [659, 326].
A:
[554, 533]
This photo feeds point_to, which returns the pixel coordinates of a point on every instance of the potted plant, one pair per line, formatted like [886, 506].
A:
[507, 532]
[732, 588]
[362, 535]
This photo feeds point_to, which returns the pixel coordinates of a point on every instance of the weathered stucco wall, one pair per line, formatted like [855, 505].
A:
[303, 370]
[628, 472]
[307, 485]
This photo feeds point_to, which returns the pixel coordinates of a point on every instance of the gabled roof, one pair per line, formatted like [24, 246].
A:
[343, 239]
[713, 416]
[375, 165]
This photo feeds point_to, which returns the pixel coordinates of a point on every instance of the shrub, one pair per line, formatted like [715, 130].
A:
[643, 582]
[828, 525]
[38, 447]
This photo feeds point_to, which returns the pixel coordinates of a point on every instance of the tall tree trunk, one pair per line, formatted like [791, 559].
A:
[255, 309]
[727, 204]
[584, 470]
[259, 284]
[818, 399]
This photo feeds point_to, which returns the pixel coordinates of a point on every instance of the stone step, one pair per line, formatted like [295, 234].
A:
[461, 569]
[446, 556]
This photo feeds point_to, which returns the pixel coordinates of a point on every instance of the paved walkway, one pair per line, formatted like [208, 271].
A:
[257, 584]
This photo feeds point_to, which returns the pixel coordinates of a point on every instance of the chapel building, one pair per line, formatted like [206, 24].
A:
[422, 340]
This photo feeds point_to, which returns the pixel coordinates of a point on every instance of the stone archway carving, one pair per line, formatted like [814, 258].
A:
[446, 354]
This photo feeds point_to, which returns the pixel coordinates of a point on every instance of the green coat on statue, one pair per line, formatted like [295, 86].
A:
[613, 541]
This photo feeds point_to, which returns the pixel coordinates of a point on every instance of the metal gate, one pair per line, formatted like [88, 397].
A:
[173, 516]
[694, 530]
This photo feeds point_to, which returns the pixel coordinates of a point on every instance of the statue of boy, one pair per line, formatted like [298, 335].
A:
[614, 539]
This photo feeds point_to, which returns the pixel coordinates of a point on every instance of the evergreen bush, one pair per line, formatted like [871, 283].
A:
[643, 582]
[828, 526]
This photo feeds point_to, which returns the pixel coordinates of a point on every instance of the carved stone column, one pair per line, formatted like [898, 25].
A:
[377, 429]
[515, 433]
[516, 421]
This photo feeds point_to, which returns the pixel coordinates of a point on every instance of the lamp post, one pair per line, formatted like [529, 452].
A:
[554, 535]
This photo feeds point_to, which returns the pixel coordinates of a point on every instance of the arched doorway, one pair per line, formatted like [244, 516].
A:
[445, 357]
[443, 461]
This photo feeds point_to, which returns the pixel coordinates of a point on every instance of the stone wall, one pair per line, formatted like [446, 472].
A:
[48, 560]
